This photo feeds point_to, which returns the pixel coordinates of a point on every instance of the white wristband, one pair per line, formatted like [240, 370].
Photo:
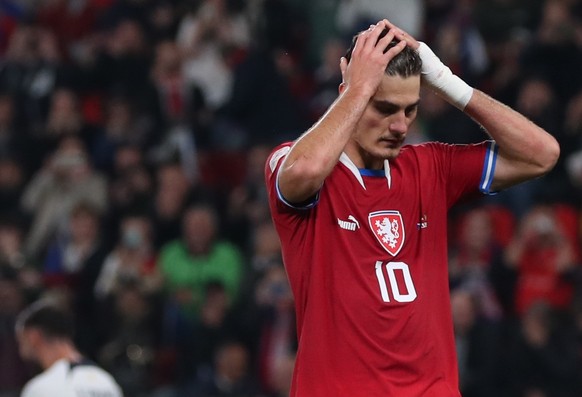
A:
[440, 78]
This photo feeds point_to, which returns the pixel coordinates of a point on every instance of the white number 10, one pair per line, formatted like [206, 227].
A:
[391, 268]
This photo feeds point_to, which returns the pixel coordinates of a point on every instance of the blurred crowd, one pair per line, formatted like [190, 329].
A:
[133, 137]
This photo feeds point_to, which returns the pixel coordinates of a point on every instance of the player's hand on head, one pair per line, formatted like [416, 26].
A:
[369, 59]
[401, 35]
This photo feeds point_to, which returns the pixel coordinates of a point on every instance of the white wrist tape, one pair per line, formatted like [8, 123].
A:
[440, 78]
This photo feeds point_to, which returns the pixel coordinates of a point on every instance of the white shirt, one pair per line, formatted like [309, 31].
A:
[64, 379]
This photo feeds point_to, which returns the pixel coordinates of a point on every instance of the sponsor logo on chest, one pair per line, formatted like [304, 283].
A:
[351, 224]
[388, 228]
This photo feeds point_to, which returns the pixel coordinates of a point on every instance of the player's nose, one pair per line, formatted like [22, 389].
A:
[398, 124]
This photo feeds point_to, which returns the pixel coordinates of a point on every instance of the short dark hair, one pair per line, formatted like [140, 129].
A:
[405, 64]
[52, 321]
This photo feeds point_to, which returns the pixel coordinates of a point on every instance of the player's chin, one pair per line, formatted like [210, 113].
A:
[389, 153]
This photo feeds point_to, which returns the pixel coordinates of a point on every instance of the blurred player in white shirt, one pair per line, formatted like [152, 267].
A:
[44, 334]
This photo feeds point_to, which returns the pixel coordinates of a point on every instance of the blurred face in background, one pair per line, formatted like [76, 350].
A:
[136, 233]
[84, 225]
[172, 188]
[477, 230]
[199, 229]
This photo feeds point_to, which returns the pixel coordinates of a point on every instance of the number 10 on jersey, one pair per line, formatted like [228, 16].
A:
[391, 288]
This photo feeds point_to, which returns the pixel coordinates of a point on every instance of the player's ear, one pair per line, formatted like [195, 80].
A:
[343, 67]
[35, 336]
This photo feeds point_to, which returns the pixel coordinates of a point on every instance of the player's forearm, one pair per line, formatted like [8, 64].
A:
[316, 152]
[525, 150]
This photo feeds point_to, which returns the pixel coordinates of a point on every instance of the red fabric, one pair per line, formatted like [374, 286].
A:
[222, 169]
[569, 218]
[540, 280]
[176, 101]
[66, 25]
[92, 109]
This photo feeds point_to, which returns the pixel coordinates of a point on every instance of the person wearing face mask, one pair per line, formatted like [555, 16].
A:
[132, 260]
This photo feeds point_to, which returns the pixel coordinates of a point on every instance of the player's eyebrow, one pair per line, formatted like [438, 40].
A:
[387, 106]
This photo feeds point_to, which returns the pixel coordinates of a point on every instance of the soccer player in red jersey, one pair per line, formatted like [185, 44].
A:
[362, 220]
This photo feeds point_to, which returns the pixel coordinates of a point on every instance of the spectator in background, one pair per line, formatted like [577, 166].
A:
[64, 119]
[13, 261]
[459, 45]
[173, 189]
[121, 64]
[130, 328]
[161, 20]
[266, 248]
[283, 374]
[541, 359]
[210, 37]
[71, 22]
[14, 138]
[505, 74]
[13, 372]
[218, 321]
[247, 203]
[327, 78]
[32, 69]
[73, 263]
[573, 148]
[555, 55]
[544, 259]
[230, 377]
[12, 234]
[131, 185]
[123, 126]
[354, 15]
[199, 257]
[277, 336]
[474, 259]
[536, 100]
[66, 179]
[132, 261]
[261, 106]
[12, 180]
[177, 107]
[477, 346]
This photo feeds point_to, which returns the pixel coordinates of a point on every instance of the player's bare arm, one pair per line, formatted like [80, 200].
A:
[313, 156]
[526, 151]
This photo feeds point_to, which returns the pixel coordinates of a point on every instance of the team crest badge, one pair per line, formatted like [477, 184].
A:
[388, 228]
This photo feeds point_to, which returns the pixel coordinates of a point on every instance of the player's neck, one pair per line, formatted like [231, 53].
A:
[58, 350]
[363, 159]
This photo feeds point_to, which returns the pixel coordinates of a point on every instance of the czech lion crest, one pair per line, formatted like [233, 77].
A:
[388, 228]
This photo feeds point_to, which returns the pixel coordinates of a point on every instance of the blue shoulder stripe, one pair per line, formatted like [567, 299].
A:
[489, 168]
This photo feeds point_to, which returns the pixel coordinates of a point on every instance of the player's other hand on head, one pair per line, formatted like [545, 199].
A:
[401, 35]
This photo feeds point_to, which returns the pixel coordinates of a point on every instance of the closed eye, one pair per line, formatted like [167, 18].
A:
[388, 108]
[411, 110]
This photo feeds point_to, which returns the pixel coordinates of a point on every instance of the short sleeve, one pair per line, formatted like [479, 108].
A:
[272, 167]
[470, 170]
[33, 389]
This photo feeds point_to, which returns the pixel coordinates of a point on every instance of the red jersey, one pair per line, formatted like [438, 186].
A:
[367, 263]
